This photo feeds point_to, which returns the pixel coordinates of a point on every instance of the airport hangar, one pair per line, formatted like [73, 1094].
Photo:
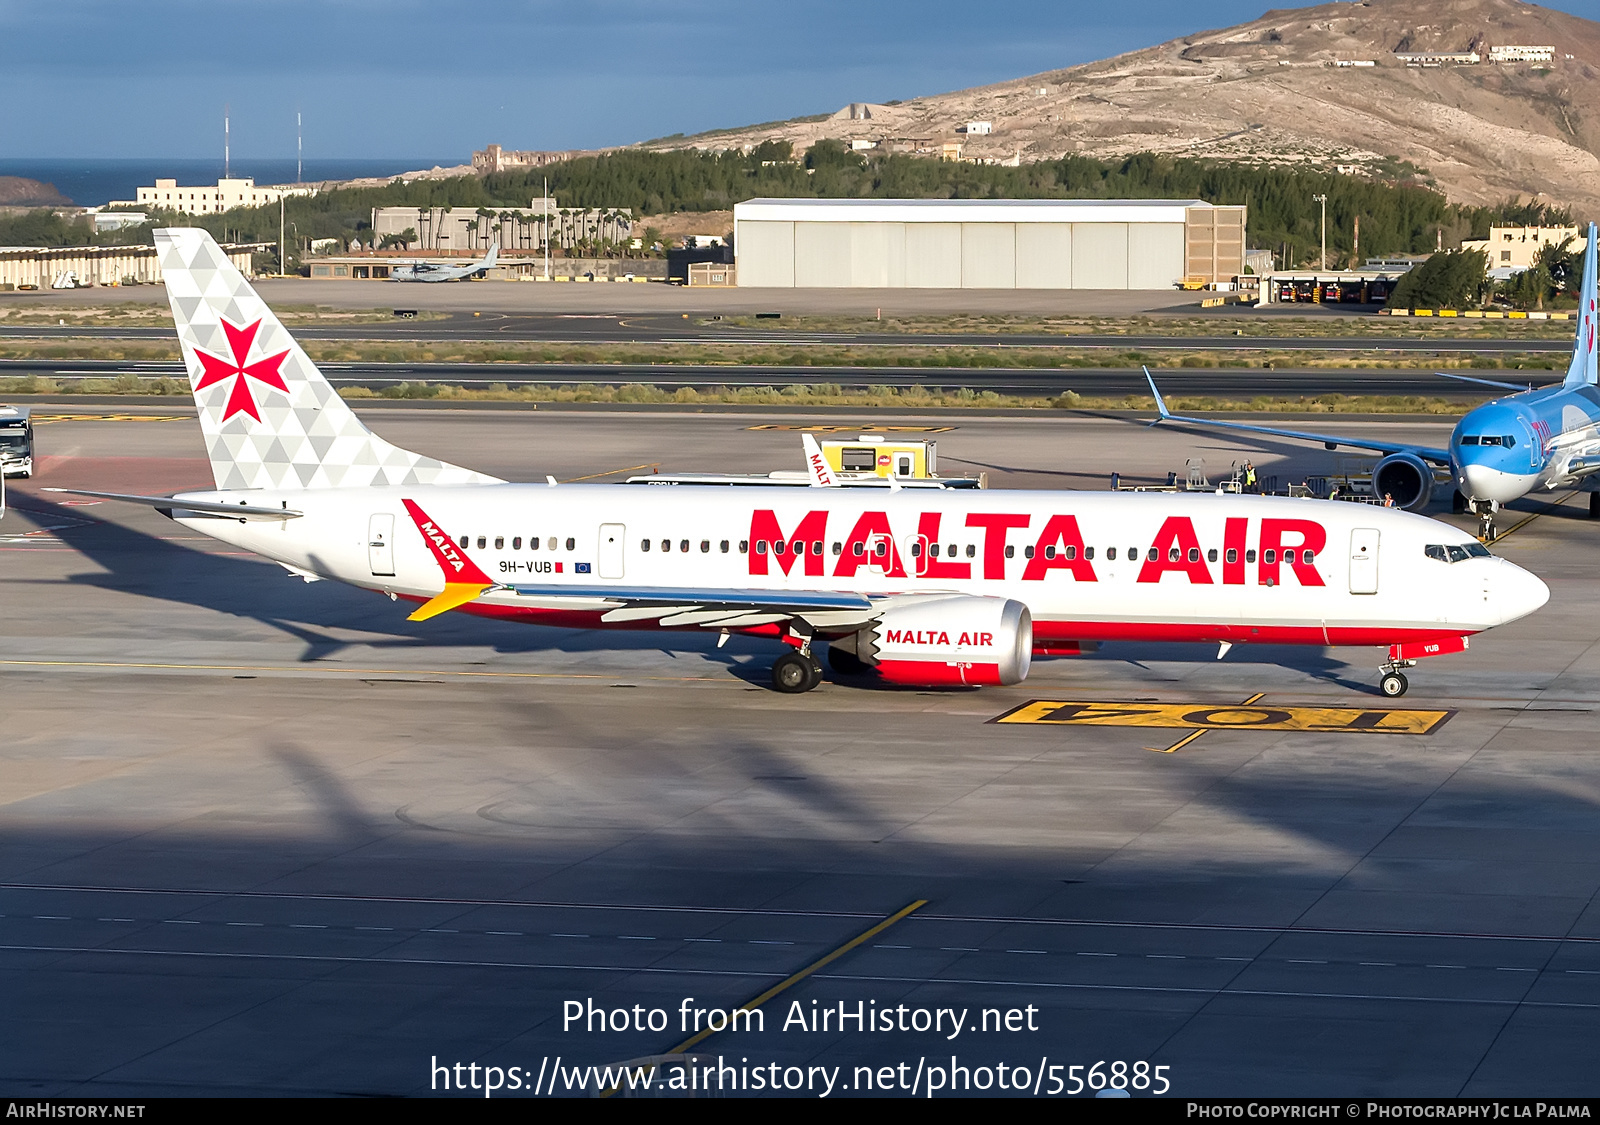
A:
[985, 243]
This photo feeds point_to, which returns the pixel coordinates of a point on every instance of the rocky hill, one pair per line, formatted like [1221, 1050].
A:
[17, 191]
[1323, 85]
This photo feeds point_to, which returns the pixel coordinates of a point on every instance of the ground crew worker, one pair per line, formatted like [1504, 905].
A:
[1388, 499]
[1249, 477]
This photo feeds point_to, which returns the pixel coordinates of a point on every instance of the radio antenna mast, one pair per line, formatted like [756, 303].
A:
[225, 141]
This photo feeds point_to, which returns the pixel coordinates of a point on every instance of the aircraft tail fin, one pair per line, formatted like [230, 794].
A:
[494, 254]
[270, 418]
[1583, 371]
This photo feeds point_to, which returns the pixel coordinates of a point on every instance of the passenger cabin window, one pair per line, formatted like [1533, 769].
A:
[533, 542]
[916, 549]
[1049, 552]
[1194, 554]
[499, 543]
[644, 544]
[972, 550]
[1150, 556]
[838, 548]
[482, 542]
[1211, 555]
[933, 550]
[516, 543]
[858, 549]
[1250, 555]
[572, 544]
[1088, 552]
[1111, 554]
[1271, 557]
[683, 545]
[1307, 557]
[464, 540]
[552, 543]
[1011, 552]
[744, 546]
[1232, 555]
[705, 546]
[761, 546]
[724, 546]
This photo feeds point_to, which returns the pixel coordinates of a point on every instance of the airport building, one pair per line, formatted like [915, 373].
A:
[1516, 248]
[986, 243]
[23, 267]
[225, 196]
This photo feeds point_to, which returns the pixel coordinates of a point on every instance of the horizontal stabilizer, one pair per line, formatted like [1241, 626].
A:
[239, 510]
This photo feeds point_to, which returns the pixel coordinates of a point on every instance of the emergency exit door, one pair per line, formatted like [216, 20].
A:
[1364, 560]
[612, 536]
[380, 544]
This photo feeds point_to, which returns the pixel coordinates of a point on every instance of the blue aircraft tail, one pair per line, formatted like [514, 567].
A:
[1583, 370]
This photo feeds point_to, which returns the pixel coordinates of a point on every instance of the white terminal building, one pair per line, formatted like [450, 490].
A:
[167, 195]
[985, 243]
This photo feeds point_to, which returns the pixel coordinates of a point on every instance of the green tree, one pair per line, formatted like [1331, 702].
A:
[1452, 279]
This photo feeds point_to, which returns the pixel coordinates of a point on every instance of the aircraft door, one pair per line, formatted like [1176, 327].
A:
[380, 544]
[612, 537]
[1364, 561]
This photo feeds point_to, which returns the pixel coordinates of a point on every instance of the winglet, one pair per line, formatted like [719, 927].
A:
[816, 464]
[463, 580]
[1584, 372]
[1161, 403]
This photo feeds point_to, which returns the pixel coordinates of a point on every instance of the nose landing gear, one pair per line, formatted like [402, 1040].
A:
[1394, 683]
[1485, 510]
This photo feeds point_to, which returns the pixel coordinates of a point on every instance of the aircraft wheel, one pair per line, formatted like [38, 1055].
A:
[1393, 684]
[793, 673]
[848, 663]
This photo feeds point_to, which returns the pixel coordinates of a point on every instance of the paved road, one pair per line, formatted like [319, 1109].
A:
[261, 836]
[1117, 381]
[667, 328]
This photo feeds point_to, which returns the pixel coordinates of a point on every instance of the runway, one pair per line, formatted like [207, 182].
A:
[267, 837]
[1240, 382]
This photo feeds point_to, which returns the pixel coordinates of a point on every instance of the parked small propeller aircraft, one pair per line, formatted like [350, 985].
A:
[433, 271]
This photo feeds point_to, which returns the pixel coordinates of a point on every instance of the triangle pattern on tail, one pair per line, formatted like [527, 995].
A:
[270, 418]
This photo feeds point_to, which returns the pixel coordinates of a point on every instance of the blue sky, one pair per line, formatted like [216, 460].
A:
[436, 78]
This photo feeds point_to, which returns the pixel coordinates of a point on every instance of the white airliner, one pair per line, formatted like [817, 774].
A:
[925, 587]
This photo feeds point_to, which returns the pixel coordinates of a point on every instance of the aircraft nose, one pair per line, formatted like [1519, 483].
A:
[1517, 592]
[1484, 482]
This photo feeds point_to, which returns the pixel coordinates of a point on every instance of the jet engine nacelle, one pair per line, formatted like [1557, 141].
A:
[1407, 478]
[950, 640]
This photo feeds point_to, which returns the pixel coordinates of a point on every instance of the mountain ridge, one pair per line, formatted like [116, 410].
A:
[1271, 91]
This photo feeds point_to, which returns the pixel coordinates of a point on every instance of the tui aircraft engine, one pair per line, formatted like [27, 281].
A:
[943, 640]
[1407, 478]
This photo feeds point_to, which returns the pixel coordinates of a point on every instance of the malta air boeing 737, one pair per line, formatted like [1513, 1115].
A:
[925, 587]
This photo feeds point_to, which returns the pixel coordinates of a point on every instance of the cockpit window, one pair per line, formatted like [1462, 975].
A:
[1506, 440]
[1456, 552]
[1469, 439]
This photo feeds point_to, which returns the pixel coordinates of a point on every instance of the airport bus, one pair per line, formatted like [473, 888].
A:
[16, 441]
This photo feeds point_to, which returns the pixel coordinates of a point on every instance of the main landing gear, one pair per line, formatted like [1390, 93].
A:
[796, 671]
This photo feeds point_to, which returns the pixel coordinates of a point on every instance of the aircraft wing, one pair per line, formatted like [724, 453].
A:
[825, 611]
[1332, 441]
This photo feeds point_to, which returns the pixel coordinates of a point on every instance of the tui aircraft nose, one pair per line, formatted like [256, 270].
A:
[1485, 482]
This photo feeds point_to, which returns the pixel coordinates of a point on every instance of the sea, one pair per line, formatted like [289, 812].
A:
[90, 183]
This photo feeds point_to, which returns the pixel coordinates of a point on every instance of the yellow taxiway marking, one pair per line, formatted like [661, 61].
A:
[1524, 522]
[855, 429]
[1188, 738]
[614, 472]
[1201, 717]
